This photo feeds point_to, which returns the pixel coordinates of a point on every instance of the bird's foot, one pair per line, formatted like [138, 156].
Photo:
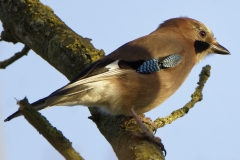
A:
[149, 135]
[146, 133]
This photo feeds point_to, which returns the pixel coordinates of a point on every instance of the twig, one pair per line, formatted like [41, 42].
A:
[7, 62]
[196, 97]
[53, 136]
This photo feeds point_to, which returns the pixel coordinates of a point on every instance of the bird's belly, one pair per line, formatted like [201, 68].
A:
[138, 91]
[143, 92]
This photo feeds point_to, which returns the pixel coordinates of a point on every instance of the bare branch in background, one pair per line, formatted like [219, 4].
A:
[18, 55]
[196, 97]
[53, 136]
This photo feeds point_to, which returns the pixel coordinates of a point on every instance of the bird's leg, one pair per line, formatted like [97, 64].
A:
[146, 132]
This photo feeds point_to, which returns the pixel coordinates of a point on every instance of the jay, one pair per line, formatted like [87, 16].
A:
[141, 74]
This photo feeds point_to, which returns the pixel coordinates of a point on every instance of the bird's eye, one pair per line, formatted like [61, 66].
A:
[202, 33]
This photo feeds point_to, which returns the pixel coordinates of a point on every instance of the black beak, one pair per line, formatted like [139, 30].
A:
[219, 49]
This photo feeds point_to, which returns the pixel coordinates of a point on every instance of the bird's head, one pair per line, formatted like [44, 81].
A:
[197, 34]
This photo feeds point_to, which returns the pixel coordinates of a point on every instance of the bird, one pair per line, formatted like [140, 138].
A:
[141, 74]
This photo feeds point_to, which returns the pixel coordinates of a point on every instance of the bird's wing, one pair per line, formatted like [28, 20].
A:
[132, 55]
[129, 56]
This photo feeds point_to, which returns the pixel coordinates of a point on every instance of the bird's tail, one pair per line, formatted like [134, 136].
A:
[71, 94]
[38, 105]
[62, 97]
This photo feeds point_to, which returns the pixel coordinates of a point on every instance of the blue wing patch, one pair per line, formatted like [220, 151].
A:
[149, 66]
[153, 65]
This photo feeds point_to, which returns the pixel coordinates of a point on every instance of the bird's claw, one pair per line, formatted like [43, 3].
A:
[158, 141]
[154, 139]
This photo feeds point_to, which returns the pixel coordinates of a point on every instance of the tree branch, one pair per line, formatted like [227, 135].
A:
[36, 25]
[53, 136]
[7, 62]
[196, 97]
[8, 37]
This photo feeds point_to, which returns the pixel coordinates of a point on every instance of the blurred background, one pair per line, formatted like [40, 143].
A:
[209, 131]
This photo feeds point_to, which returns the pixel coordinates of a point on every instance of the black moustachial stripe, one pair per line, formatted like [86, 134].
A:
[201, 46]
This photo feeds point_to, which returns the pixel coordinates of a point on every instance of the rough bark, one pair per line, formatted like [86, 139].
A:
[50, 133]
